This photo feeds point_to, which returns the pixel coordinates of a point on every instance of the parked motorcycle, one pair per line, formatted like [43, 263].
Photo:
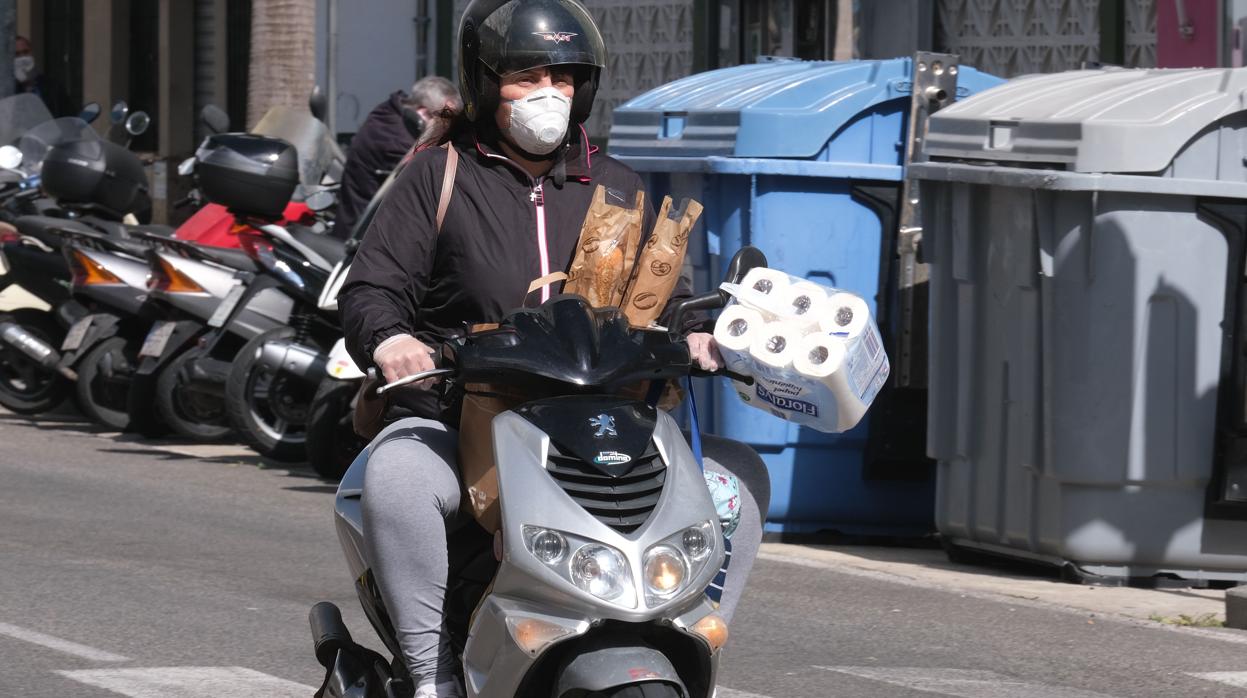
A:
[596, 584]
[98, 184]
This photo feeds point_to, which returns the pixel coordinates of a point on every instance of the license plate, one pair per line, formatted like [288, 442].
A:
[157, 338]
[77, 333]
[227, 306]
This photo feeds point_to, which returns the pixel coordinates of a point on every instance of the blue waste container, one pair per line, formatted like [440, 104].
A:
[803, 160]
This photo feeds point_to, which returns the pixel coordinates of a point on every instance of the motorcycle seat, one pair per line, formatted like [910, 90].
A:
[331, 248]
[163, 231]
[44, 228]
[234, 259]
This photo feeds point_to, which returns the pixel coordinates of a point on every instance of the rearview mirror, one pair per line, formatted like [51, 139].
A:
[138, 123]
[90, 112]
[318, 103]
[10, 157]
[119, 111]
[743, 261]
[214, 119]
[320, 201]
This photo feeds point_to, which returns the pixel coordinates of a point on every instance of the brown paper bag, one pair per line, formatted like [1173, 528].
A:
[660, 264]
[481, 403]
[607, 248]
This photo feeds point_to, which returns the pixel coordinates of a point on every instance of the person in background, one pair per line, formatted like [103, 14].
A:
[29, 79]
[384, 138]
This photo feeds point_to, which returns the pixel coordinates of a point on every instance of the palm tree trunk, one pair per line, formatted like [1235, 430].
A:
[283, 55]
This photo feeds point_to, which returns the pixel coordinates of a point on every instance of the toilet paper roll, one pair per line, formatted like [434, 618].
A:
[735, 330]
[819, 355]
[765, 281]
[776, 344]
[822, 359]
[845, 315]
[804, 302]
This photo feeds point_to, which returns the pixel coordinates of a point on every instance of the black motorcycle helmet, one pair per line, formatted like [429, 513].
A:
[500, 37]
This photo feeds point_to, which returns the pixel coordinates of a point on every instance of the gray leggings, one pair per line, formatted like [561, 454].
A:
[411, 496]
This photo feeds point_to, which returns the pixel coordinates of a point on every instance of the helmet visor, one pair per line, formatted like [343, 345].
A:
[534, 33]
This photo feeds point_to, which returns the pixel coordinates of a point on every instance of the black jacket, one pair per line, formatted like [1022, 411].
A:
[376, 149]
[502, 230]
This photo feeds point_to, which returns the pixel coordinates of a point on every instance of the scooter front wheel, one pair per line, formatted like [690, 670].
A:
[25, 386]
[268, 408]
[190, 410]
[654, 689]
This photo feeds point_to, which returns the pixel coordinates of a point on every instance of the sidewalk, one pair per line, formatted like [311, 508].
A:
[931, 569]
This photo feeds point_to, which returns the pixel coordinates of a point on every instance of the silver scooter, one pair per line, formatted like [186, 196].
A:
[608, 537]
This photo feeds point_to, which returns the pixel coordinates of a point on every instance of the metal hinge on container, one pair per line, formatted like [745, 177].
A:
[934, 87]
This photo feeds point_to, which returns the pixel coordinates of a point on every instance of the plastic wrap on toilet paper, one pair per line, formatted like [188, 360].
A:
[814, 352]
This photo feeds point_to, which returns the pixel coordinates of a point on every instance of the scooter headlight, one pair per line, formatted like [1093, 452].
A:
[548, 546]
[665, 572]
[601, 571]
[672, 565]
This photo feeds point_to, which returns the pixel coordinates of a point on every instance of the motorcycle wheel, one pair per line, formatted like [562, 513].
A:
[189, 410]
[268, 408]
[100, 395]
[25, 386]
[332, 443]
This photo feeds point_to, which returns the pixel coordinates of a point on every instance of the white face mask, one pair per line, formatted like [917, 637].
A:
[23, 66]
[539, 121]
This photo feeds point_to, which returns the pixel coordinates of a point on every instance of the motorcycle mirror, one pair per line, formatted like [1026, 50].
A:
[187, 167]
[745, 259]
[214, 119]
[10, 157]
[414, 122]
[90, 112]
[320, 201]
[138, 123]
[318, 103]
[119, 111]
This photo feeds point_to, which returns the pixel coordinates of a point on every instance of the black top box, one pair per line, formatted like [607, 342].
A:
[249, 175]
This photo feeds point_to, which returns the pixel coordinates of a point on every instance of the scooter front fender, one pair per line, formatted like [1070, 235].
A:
[614, 665]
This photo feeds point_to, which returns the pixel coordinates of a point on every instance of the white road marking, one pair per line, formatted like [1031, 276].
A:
[190, 682]
[964, 683]
[1238, 679]
[721, 692]
[59, 645]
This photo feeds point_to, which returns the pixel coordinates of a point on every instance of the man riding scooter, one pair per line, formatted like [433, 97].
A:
[521, 176]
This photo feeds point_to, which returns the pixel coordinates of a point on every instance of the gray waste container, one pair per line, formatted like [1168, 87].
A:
[1086, 235]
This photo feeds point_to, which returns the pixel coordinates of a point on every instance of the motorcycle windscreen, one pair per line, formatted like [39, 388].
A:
[20, 113]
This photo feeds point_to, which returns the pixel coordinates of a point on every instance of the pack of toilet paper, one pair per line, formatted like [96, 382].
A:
[814, 352]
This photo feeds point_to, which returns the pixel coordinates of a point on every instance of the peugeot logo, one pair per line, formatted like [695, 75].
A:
[605, 425]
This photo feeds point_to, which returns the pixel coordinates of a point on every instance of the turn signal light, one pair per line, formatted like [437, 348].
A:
[534, 635]
[88, 272]
[713, 629]
[170, 279]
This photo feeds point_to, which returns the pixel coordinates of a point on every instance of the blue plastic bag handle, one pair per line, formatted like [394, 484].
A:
[694, 427]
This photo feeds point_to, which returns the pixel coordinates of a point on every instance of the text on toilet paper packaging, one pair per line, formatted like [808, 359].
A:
[787, 403]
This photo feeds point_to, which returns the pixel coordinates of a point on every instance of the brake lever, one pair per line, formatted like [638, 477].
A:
[415, 378]
[738, 377]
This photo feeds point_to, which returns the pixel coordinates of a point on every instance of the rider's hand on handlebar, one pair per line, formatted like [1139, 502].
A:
[402, 356]
[704, 351]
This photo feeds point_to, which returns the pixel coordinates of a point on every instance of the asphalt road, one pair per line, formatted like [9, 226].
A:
[130, 570]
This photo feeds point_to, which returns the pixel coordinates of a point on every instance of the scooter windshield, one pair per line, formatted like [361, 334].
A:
[568, 343]
[19, 114]
[36, 142]
[309, 136]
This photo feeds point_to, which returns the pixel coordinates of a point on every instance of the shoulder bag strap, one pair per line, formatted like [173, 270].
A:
[448, 183]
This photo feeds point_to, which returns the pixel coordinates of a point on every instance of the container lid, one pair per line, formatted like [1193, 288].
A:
[1110, 120]
[773, 109]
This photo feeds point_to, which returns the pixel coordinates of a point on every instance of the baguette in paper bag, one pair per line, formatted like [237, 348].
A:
[661, 262]
[607, 248]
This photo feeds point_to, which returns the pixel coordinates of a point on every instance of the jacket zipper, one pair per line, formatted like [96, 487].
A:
[539, 202]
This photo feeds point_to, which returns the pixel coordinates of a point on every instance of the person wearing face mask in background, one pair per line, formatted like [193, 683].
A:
[29, 79]
[390, 130]
[522, 186]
